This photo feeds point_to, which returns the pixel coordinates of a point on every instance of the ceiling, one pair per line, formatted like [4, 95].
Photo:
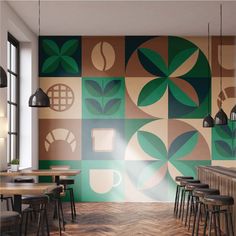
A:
[127, 17]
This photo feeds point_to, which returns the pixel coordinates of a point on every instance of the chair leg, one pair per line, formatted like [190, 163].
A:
[176, 197]
[195, 217]
[181, 202]
[26, 223]
[39, 221]
[182, 217]
[62, 214]
[46, 221]
[210, 223]
[187, 210]
[192, 209]
[59, 216]
[231, 223]
[205, 223]
[218, 221]
[73, 202]
[227, 222]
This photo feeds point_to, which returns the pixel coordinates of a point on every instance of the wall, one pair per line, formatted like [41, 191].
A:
[10, 22]
[128, 111]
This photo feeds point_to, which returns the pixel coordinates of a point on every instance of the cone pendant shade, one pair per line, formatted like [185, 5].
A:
[221, 118]
[208, 122]
[3, 78]
[39, 99]
[233, 114]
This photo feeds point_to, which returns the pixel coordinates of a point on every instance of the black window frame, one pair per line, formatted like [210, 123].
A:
[13, 104]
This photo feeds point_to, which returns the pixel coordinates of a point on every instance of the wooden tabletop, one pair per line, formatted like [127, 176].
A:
[26, 188]
[47, 172]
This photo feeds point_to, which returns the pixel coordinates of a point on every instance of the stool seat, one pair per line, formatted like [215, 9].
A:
[185, 181]
[218, 200]
[202, 192]
[179, 178]
[24, 180]
[192, 186]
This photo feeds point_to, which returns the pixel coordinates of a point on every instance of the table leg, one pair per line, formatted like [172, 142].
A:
[57, 179]
[17, 203]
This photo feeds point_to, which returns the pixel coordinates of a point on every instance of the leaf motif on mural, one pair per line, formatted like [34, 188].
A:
[152, 145]
[59, 56]
[112, 106]
[112, 88]
[224, 131]
[152, 62]
[152, 92]
[224, 149]
[181, 64]
[93, 106]
[183, 145]
[93, 88]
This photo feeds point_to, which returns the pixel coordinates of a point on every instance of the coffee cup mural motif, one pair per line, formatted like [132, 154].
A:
[103, 180]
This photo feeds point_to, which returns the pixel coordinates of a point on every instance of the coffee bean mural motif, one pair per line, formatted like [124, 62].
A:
[128, 110]
[103, 56]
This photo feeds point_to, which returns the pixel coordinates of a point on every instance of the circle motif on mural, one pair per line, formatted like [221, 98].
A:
[61, 97]
[103, 56]
[169, 70]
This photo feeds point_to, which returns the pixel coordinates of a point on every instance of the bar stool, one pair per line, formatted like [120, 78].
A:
[214, 205]
[199, 194]
[67, 182]
[183, 194]
[37, 204]
[10, 223]
[189, 187]
[177, 193]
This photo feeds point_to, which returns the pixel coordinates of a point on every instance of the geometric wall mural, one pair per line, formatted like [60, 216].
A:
[128, 111]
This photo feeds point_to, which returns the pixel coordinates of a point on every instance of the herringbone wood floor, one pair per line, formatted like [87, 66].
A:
[121, 219]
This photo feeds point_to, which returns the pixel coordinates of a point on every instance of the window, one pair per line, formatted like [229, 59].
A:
[13, 98]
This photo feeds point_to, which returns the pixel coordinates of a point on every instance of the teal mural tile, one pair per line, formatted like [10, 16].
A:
[102, 181]
[59, 56]
[103, 98]
[103, 140]
[224, 142]
[43, 164]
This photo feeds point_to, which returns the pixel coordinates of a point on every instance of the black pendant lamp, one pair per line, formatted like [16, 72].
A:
[221, 117]
[3, 78]
[208, 121]
[233, 114]
[39, 98]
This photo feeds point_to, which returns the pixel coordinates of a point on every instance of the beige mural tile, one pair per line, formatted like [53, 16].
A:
[65, 98]
[229, 164]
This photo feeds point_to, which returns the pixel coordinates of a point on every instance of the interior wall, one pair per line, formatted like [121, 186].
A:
[128, 111]
[10, 22]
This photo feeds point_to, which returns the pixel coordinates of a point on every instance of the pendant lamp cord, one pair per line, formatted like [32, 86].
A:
[221, 92]
[208, 55]
[39, 17]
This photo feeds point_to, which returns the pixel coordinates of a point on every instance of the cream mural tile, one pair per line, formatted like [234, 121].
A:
[65, 98]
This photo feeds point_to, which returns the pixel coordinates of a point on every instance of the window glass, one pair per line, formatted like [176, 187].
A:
[13, 97]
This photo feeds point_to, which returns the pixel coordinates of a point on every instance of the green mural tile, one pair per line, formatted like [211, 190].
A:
[224, 142]
[102, 181]
[59, 56]
[73, 165]
[103, 98]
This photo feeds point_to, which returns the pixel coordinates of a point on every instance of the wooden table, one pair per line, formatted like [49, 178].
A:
[19, 189]
[46, 172]
[221, 178]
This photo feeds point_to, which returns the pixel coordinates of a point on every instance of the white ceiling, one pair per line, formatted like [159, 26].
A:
[127, 17]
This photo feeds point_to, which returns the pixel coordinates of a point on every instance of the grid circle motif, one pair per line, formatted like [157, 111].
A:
[61, 97]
